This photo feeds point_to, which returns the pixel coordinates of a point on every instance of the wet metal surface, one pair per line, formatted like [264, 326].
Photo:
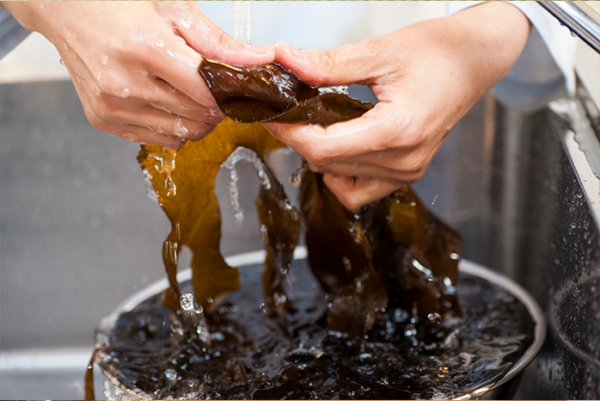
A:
[75, 224]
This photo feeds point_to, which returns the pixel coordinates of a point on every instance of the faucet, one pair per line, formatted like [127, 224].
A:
[580, 18]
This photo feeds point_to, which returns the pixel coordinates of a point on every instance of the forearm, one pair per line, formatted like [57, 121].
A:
[496, 32]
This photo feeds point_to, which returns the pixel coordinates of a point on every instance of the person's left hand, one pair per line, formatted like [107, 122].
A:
[425, 76]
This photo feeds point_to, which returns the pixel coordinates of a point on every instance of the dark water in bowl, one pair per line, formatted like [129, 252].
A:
[252, 357]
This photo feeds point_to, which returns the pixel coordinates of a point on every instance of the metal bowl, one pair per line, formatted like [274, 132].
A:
[502, 389]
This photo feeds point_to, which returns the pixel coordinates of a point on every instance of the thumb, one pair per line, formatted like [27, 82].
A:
[342, 66]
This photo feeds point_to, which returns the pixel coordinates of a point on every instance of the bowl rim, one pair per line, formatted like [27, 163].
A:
[256, 257]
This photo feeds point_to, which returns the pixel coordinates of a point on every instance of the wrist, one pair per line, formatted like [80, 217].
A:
[35, 16]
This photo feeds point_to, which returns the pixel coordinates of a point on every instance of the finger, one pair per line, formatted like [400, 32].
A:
[354, 192]
[142, 135]
[356, 63]
[365, 170]
[163, 96]
[382, 128]
[155, 120]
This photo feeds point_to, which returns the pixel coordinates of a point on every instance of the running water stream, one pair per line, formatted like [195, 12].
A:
[243, 33]
[241, 10]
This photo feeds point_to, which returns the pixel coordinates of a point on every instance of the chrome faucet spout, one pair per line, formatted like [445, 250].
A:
[580, 18]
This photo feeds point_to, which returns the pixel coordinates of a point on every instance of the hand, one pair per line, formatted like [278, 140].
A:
[425, 76]
[134, 64]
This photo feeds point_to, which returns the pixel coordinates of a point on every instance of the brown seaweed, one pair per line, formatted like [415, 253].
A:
[186, 194]
[392, 253]
[271, 93]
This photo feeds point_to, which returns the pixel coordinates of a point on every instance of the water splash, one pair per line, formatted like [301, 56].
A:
[165, 166]
[342, 89]
[193, 315]
[149, 187]
[245, 154]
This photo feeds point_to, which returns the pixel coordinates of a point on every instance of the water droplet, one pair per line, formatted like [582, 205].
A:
[177, 328]
[104, 59]
[217, 336]
[171, 377]
[410, 332]
[170, 53]
[329, 382]
[280, 299]
[143, 73]
[62, 61]
[400, 315]
[347, 264]
[124, 93]
[160, 43]
[434, 317]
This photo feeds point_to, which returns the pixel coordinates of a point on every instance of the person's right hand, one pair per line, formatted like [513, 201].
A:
[134, 64]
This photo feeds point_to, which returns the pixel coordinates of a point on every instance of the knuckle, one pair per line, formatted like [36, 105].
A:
[415, 176]
[414, 139]
[99, 108]
[96, 120]
[319, 157]
[351, 203]
[224, 40]
[97, 123]
[315, 168]
[110, 85]
[414, 165]
[412, 174]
